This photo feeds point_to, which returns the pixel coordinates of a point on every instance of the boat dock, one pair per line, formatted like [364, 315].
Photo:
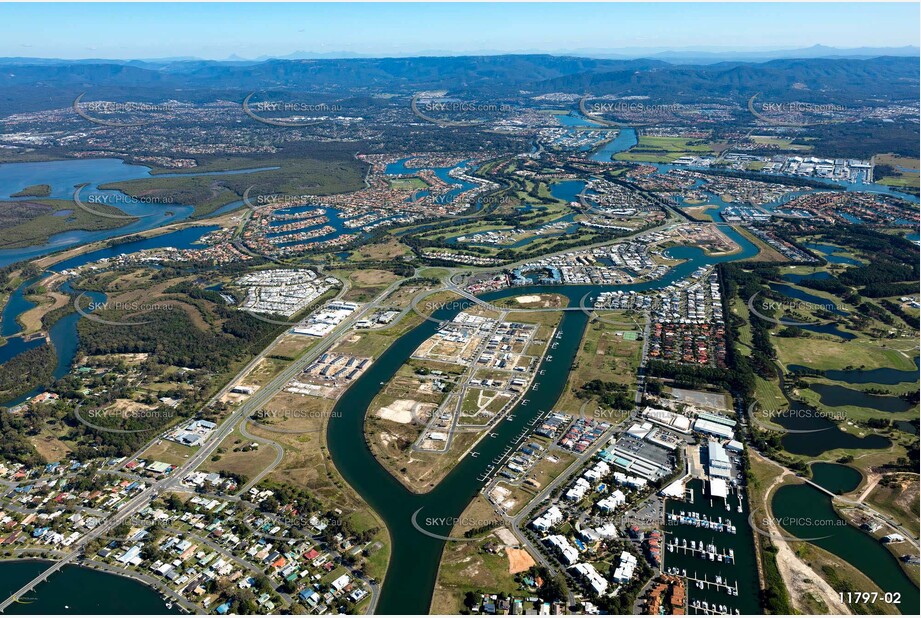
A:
[699, 550]
[700, 521]
[702, 607]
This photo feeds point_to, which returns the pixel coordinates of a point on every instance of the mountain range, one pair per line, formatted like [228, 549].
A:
[26, 85]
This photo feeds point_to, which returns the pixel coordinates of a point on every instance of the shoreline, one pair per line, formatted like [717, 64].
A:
[94, 566]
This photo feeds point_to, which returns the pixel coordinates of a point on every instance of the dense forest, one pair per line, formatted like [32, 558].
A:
[175, 340]
[27, 370]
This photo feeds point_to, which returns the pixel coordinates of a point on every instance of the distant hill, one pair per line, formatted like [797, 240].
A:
[28, 86]
[690, 55]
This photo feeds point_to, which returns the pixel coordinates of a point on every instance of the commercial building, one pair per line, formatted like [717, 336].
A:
[714, 429]
[718, 464]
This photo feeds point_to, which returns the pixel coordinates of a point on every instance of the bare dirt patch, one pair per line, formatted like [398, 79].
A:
[404, 411]
[519, 560]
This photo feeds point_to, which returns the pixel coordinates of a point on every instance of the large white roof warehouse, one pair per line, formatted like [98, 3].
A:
[714, 429]
[718, 488]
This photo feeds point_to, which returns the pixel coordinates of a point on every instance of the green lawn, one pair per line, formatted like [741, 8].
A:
[663, 149]
[857, 354]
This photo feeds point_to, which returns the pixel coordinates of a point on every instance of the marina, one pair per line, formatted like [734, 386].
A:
[710, 551]
[710, 544]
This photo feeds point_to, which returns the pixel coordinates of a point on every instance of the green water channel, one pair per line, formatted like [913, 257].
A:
[807, 513]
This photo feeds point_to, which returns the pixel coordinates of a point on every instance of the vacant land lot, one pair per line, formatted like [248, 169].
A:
[168, 452]
[236, 455]
[604, 355]
[471, 566]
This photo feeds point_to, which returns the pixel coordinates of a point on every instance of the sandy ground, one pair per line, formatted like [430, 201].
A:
[798, 577]
[872, 481]
[403, 411]
[505, 535]
[518, 560]
[531, 298]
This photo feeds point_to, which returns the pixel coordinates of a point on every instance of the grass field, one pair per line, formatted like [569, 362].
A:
[48, 445]
[745, 330]
[663, 149]
[905, 177]
[264, 371]
[234, 459]
[410, 182]
[292, 346]
[366, 284]
[782, 143]
[769, 395]
[169, 452]
[604, 355]
[856, 354]
[433, 273]
[387, 248]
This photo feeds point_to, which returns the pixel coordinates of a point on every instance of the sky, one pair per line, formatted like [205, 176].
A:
[251, 30]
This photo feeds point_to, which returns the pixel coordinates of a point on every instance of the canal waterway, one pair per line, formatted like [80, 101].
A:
[806, 512]
[836, 478]
[415, 556]
[741, 573]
